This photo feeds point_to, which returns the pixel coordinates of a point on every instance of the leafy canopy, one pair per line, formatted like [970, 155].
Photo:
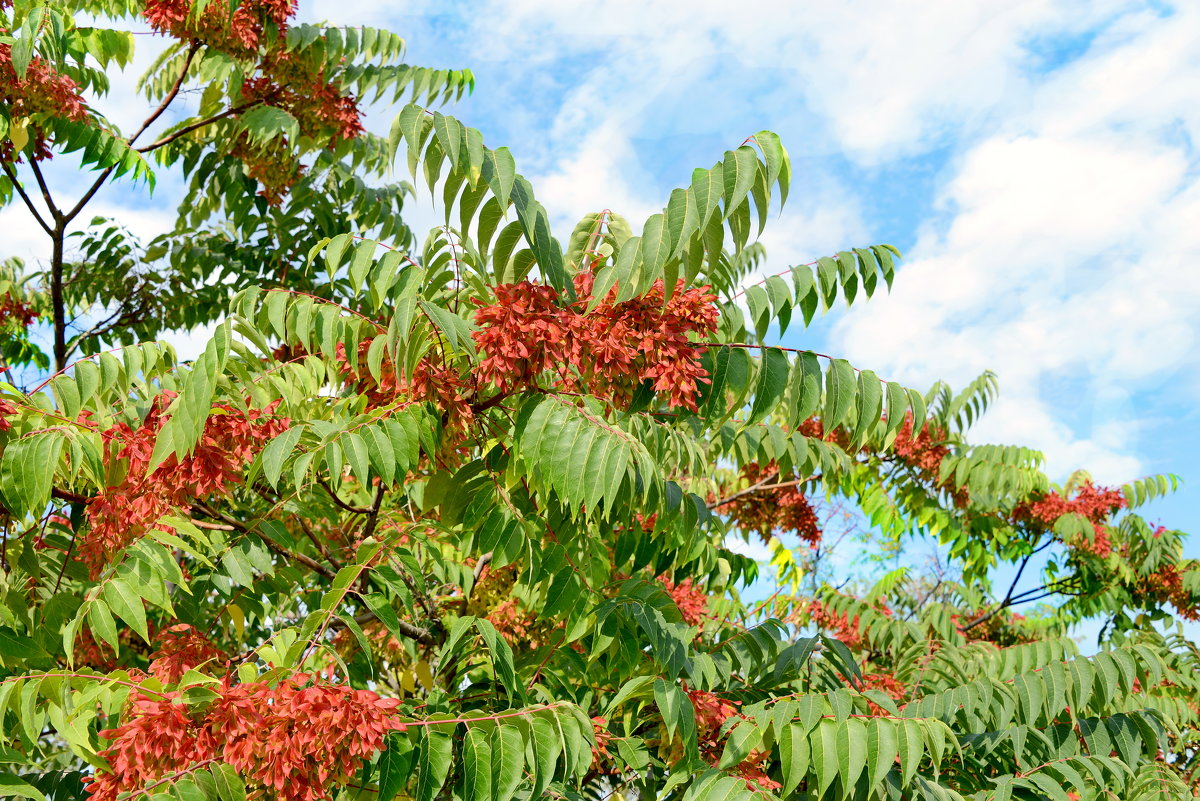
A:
[449, 519]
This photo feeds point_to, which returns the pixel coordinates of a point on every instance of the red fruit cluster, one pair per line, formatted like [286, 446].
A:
[7, 410]
[431, 382]
[772, 509]
[240, 36]
[13, 310]
[839, 624]
[516, 625]
[528, 335]
[1165, 585]
[711, 713]
[120, 514]
[920, 452]
[886, 682]
[42, 91]
[924, 453]
[321, 111]
[291, 84]
[181, 648]
[1096, 504]
[291, 742]
[285, 81]
[603, 737]
[692, 602]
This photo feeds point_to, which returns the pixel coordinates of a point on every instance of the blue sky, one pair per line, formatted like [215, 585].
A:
[1034, 159]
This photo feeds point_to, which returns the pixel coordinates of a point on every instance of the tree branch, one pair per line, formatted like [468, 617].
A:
[358, 510]
[277, 547]
[166, 140]
[154, 115]
[68, 496]
[12, 177]
[765, 484]
[55, 214]
[423, 636]
[1008, 596]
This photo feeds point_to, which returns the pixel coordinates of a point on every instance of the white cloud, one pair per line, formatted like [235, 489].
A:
[1067, 256]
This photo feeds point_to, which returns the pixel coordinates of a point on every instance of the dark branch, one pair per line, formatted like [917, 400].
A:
[166, 140]
[55, 214]
[277, 547]
[154, 115]
[12, 177]
[358, 510]
[761, 486]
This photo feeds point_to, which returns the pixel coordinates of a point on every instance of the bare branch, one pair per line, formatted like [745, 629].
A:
[12, 177]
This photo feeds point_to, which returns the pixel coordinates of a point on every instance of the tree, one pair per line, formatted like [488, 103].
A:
[453, 523]
[275, 153]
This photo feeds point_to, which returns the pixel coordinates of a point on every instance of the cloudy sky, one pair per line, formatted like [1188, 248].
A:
[1035, 160]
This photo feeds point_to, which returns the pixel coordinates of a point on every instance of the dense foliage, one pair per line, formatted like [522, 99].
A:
[449, 519]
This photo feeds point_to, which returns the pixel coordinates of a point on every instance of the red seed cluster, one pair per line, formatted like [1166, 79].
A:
[1165, 585]
[284, 81]
[920, 452]
[887, 683]
[181, 648]
[1095, 504]
[7, 410]
[528, 336]
[16, 311]
[240, 36]
[711, 713]
[839, 624]
[292, 742]
[692, 602]
[772, 509]
[41, 91]
[122, 513]
[431, 382]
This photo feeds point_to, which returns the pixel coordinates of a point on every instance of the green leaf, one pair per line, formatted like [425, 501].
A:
[13, 786]
[772, 381]
[477, 765]
[437, 746]
[127, 605]
[395, 765]
[839, 393]
[276, 453]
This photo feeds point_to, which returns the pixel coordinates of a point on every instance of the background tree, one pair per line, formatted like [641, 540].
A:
[453, 524]
[275, 153]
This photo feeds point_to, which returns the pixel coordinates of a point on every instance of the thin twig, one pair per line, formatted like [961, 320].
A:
[166, 140]
[12, 177]
[358, 510]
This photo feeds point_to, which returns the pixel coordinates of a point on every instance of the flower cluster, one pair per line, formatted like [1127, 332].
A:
[284, 80]
[14, 310]
[1165, 585]
[1095, 504]
[608, 352]
[692, 602]
[240, 36]
[840, 624]
[181, 648]
[42, 91]
[122, 513]
[291, 742]
[773, 508]
[711, 713]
